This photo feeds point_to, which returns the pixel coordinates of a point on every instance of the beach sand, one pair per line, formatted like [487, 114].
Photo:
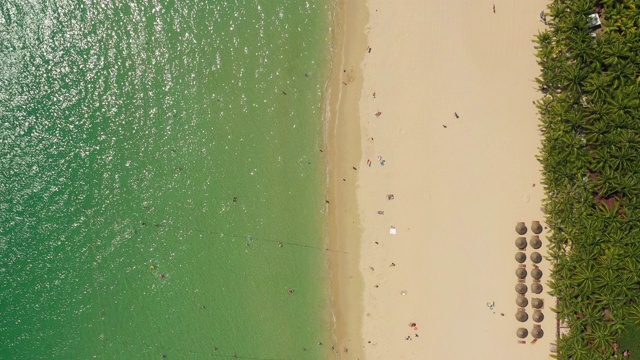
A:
[459, 184]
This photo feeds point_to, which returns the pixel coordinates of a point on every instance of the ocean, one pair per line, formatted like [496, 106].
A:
[161, 185]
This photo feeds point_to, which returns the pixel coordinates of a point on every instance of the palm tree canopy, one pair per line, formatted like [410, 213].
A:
[589, 111]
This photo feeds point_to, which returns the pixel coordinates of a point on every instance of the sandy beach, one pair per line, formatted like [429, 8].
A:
[343, 154]
[433, 105]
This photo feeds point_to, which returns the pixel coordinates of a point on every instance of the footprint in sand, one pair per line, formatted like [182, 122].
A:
[526, 198]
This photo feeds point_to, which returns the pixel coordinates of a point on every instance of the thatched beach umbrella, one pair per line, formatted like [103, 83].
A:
[536, 274]
[522, 301]
[522, 333]
[521, 288]
[536, 288]
[537, 332]
[521, 257]
[521, 228]
[537, 316]
[535, 257]
[521, 243]
[521, 273]
[537, 303]
[536, 227]
[521, 316]
[535, 242]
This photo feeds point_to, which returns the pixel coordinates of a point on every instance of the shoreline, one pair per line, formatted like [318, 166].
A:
[343, 154]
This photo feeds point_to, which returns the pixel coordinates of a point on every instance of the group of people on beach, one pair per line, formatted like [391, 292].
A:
[414, 326]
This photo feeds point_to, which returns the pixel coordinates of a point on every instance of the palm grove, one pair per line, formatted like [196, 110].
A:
[590, 153]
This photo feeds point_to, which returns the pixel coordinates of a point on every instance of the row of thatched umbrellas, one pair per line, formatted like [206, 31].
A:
[536, 288]
[535, 257]
[536, 227]
[522, 316]
[536, 303]
[535, 242]
[521, 273]
[536, 332]
[536, 274]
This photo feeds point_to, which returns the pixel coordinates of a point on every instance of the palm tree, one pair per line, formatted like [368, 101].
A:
[543, 39]
[601, 337]
[574, 75]
[620, 73]
[616, 51]
[581, 7]
[633, 312]
[590, 164]
[624, 102]
[610, 282]
[598, 109]
[597, 86]
[597, 129]
[558, 11]
[573, 346]
[584, 277]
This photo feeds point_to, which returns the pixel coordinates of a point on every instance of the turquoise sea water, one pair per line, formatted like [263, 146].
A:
[159, 191]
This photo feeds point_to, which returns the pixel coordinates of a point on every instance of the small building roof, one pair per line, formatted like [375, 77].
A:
[594, 21]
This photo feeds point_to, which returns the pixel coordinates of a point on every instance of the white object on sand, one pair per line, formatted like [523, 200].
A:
[392, 231]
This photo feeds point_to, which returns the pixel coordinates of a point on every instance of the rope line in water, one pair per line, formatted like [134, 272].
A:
[272, 240]
[250, 238]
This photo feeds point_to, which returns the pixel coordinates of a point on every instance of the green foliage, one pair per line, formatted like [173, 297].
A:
[590, 120]
[629, 340]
